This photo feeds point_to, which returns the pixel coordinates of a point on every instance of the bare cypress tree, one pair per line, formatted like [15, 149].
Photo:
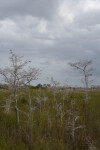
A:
[83, 67]
[73, 117]
[31, 74]
[14, 76]
[54, 87]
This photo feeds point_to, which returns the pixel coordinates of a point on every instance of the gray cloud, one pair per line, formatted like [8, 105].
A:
[51, 34]
[38, 8]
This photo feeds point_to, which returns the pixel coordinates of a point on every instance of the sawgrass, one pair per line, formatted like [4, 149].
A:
[46, 130]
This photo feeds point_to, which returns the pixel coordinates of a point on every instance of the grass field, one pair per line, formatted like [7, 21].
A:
[60, 120]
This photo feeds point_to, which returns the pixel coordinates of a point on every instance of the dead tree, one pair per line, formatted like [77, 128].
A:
[14, 77]
[30, 75]
[83, 67]
[73, 117]
[54, 88]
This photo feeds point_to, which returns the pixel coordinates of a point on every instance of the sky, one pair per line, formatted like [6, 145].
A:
[52, 33]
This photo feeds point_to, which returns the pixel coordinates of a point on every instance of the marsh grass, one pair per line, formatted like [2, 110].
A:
[48, 131]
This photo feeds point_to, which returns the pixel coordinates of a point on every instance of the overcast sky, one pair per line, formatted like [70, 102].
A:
[52, 33]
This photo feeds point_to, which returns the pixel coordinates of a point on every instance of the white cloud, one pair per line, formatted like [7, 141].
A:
[42, 26]
[91, 5]
[65, 13]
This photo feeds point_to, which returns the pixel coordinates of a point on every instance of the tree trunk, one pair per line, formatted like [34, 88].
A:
[73, 127]
[29, 104]
[16, 108]
[86, 87]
